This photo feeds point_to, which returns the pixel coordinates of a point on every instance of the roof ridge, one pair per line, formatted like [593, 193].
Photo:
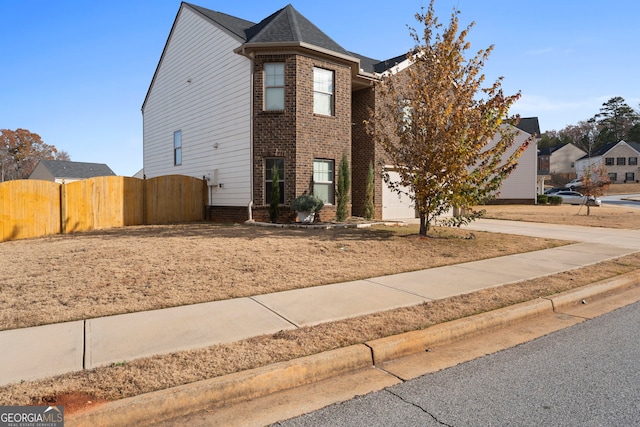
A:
[295, 27]
[263, 25]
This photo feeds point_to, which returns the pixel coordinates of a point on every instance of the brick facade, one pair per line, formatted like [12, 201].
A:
[297, 134]
[364, 152]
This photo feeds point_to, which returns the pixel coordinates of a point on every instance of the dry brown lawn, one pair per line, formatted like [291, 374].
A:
[601, 216]
[63, 278]
[86, 275]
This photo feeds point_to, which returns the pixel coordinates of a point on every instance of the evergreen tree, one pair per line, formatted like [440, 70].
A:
[344, 183]
[369, 209]
[274, 206]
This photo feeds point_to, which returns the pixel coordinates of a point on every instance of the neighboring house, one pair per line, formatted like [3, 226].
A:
[63, 171]
[559, 159]
[230, 99]
[619, 158]
[520, 186]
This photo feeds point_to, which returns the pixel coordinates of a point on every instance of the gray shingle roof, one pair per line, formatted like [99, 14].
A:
[82, 170]
[546, 151]
[530, 125]
[237, 26]
[287, 25]
[602, 150]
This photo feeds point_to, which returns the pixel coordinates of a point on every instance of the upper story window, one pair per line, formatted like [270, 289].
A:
[621, 161]
[274, 87]
[608, 161]
[177, 148]
[633, 161]
[323, 87]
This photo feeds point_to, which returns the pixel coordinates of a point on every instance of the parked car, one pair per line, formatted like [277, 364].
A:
[573, 184]
[575, 198]
[551, 191]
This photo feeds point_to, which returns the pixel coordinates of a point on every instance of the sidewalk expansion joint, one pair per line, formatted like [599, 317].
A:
[395, 288]
[275, 312]
[84, 344]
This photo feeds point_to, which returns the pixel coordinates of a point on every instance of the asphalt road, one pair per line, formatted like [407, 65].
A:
[626, 200]
[585, 375]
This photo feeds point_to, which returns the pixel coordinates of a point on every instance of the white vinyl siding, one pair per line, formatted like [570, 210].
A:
[203, 88]
[177, 148]
[521, 183]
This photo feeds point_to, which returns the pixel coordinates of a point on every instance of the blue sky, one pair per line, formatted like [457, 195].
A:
[76, 72]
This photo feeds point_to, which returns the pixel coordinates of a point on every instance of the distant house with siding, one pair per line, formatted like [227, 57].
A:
[619, 158]
[63, 171]
[559, 159]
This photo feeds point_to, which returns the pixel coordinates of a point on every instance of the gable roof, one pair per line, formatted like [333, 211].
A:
[604, 149]
[236, 26]
[289, 26]
[530, 125]
[546, 151]
[286, 25]
[81, 170]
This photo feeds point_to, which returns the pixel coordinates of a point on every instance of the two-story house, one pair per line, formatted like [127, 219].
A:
[619, 158]
[230, 99]
[559, 159]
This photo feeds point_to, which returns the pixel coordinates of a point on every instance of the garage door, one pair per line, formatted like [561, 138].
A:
[395, 206]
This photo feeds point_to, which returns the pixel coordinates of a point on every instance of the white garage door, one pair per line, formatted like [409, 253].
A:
[396, 206]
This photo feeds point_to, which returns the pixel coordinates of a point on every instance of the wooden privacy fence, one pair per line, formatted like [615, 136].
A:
[33, 208]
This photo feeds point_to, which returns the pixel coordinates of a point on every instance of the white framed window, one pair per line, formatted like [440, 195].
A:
[274, 87]
[177, 148]
[323, 91]
[268, 182]
[323, 178]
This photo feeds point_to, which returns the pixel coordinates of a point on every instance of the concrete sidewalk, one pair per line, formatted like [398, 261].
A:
[114, 339]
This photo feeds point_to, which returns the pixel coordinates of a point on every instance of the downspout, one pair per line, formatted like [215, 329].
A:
[251, 171]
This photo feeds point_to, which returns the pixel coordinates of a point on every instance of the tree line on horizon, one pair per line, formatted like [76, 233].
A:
[616, 121]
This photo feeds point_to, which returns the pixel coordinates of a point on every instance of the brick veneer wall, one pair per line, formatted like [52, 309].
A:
[296, 133]
[363, 152]
[274, 131]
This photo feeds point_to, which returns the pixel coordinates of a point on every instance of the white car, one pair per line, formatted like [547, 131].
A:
[574, 183]
[575, 198]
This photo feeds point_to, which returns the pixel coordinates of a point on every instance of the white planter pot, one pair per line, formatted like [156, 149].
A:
[306, 217]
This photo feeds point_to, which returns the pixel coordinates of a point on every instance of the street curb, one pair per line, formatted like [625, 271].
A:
[394, 347]
[152, 408]
[595, 290]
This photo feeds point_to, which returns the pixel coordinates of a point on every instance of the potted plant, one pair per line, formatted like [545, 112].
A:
[307, 206]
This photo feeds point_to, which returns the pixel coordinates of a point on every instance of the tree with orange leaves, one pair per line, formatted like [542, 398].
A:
[436, 122]
[20, 151]
[595, 181]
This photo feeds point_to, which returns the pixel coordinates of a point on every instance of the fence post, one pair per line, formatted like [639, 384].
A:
[63, 210]
[144, 201]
